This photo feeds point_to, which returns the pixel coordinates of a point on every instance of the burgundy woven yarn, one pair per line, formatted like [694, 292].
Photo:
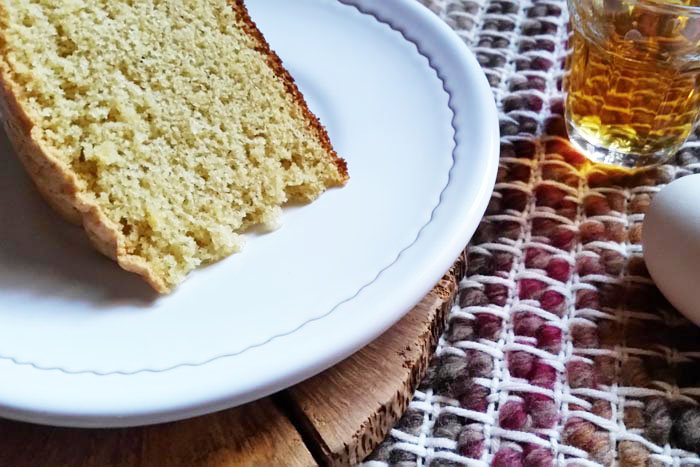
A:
[559, 348]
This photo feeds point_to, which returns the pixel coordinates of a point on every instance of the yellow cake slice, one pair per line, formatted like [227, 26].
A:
[165, 127]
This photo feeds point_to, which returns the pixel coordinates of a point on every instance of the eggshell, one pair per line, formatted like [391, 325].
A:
[671, 242]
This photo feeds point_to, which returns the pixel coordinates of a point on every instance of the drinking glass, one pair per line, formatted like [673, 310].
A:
[632, 78]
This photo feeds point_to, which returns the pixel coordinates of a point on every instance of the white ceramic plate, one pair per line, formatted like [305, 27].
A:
[83, 343]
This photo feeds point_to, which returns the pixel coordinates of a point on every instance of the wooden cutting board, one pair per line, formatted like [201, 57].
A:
[335, 418]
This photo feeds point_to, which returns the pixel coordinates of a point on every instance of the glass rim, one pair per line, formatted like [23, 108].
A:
[661, 6]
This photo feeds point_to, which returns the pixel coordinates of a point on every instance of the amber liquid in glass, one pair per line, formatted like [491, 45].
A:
[639, 100]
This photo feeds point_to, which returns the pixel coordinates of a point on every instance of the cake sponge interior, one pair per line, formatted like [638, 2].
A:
[173, 116]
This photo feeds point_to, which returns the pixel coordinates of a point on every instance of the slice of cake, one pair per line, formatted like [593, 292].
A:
[165, 127]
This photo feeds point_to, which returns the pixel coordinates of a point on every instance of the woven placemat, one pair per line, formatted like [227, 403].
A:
[559, 349]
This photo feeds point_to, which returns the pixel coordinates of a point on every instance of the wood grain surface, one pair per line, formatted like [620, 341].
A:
[256, 434]
[335, 418]
[349, 409]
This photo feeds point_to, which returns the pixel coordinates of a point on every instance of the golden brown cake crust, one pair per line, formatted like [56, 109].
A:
[276, 64]
[57, 183]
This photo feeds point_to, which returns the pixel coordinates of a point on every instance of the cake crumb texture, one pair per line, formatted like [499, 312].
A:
[173, 118]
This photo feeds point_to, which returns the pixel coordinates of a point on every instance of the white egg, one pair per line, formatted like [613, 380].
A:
[671, 241]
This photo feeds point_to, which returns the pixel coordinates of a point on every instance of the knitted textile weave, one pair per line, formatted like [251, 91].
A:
[559, 349]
